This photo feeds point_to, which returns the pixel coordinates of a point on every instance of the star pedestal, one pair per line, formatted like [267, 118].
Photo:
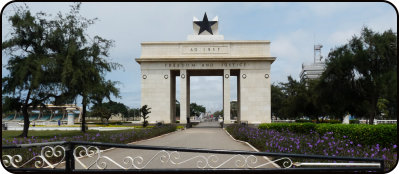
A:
[205, 37]
[205, 30]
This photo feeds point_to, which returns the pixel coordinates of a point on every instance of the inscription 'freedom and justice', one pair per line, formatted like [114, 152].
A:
[205, 65]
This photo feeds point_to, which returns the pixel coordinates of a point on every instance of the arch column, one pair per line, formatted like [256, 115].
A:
[184, 96]
[226, 96]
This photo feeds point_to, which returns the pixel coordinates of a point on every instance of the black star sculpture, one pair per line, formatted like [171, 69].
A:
[205, 25]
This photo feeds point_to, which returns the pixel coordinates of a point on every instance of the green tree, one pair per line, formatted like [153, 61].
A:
[332, 103]
[117, 108]
[106, 110]
[233, 109]
[8, 106]
[196, 110]
[382, 106]
[102, 112]
[315, 105]
[83, 59]
[293, 106]
[34, 76]
[277, 99]
[55, 61]
[134, 113]
[218, 113]
[177, 108]
[144, 111]
[365, 68]
[295, 99]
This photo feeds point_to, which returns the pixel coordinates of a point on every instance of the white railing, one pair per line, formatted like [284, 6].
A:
[340, 164]
[379, 121]
[386, 121]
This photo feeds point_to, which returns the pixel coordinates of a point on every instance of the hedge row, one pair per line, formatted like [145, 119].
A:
[314, 121]
[383, 134]
[303, 121]
[294, 127]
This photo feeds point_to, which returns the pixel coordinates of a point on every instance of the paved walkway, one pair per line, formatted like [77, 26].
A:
[213, 124]
[205, 135]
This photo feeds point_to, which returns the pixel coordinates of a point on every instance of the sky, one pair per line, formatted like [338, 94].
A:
[292, 28]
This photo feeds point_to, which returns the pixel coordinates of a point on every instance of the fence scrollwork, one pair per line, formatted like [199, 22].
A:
[88, 155]
[170, 158]
[40, 161]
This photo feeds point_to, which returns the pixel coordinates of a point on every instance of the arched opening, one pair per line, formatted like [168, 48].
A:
[206, 88]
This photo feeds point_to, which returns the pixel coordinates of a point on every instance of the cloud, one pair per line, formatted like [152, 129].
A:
[130, 99]
[324, 9]
[284, 47]
[207, 91]
[342, 37]
[291, 28]
[289, 45]
[291, 49]
[383, 22]
[378, 23]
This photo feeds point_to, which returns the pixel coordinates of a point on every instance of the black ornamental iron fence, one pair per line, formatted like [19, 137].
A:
[79, 156]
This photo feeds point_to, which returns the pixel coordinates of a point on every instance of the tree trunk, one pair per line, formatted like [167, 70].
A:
[26, 115]
[84, 114]
[372, 115]
[373, 111]
[26, 122]
[371, 118]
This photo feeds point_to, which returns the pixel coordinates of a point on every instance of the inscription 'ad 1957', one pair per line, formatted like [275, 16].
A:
[206, 50]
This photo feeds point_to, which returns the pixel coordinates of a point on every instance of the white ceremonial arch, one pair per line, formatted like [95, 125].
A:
[206, 53]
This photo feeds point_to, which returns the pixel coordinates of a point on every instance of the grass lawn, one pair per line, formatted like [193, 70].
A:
[10, 135]
[120, 136]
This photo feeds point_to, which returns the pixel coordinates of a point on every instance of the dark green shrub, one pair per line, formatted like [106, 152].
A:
[354, 121]
[274, 126]
[295, 127]
[331, 121]
[303, 121]
[382, 134]
[144, 111]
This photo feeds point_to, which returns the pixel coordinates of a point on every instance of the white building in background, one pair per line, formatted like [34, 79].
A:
[314, 70]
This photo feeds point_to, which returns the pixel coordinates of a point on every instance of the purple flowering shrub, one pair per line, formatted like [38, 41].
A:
[286, 141]
[382, 134]
[119, 137]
